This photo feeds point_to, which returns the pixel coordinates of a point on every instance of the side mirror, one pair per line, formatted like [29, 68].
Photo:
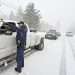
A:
[33, 30]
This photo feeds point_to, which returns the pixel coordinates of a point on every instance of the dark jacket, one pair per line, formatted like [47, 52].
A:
[21, 36]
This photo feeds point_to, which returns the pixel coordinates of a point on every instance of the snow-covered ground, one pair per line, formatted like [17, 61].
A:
[69, 56]
[56, 59]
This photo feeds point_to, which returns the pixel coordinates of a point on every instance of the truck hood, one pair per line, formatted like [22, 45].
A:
[41, 34]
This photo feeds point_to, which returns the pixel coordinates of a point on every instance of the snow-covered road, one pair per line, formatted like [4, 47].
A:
[56, 59]
[70, 56]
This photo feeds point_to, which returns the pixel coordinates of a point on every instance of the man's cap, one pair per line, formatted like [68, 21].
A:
[21, 22]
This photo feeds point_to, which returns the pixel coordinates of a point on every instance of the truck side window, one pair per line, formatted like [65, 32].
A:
[10, 26]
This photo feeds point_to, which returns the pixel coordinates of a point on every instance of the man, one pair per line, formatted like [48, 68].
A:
[21, 42]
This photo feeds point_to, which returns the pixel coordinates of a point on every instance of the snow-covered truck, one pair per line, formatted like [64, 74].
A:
[8, 44]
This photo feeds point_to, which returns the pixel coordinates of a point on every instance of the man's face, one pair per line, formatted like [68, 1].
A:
[20, 25]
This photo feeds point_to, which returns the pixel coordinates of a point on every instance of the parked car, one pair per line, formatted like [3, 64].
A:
[8, 42]
[69, 34]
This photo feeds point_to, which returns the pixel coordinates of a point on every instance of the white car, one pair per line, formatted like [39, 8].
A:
[69, 34]
[8, 45]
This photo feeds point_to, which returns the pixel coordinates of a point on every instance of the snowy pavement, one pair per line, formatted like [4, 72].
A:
[56, 59]
[70, 56]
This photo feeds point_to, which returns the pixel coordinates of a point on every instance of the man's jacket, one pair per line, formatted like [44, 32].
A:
[21, 36]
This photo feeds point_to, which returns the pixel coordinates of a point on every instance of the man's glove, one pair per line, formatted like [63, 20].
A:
[18, 43]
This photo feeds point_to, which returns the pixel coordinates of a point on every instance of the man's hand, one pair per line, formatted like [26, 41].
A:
[19, 42]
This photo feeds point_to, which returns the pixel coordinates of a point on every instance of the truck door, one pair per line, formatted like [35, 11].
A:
[28, 38]
[32, 37]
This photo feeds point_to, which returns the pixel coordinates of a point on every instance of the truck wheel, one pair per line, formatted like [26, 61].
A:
[41, 45]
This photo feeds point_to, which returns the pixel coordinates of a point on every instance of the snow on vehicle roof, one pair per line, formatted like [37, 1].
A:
[12, 21]
[9, 21]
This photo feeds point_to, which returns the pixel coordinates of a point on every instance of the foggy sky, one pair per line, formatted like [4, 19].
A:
[51, 10]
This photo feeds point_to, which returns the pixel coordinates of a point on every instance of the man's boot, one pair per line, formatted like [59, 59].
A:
[18, 70]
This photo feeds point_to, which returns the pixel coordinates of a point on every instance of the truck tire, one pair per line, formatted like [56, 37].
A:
[41, 45]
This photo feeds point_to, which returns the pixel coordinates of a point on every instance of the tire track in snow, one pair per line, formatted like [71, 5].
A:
[70, 62]
[63, 58]
[72, 48]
